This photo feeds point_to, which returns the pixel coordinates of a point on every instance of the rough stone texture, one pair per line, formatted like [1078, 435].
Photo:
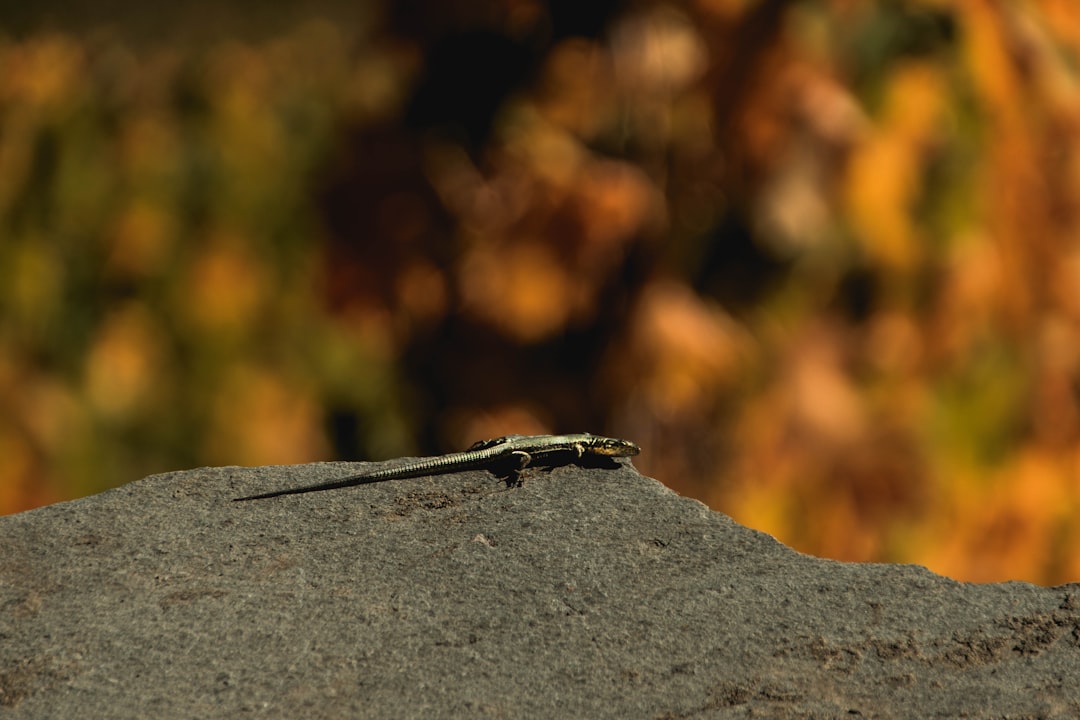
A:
[583, 593]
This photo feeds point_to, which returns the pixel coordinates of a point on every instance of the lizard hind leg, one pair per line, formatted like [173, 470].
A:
[519, 460]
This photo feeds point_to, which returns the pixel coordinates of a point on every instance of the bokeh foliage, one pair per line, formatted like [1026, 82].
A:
[821, 259]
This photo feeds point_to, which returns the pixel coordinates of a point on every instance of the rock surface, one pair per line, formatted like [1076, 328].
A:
[584, 593]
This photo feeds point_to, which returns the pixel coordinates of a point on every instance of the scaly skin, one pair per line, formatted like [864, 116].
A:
[525, 448]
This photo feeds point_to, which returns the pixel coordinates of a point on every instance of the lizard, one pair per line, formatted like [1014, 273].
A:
[524, 449]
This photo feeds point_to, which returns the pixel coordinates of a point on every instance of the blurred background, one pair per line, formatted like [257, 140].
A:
[821, 259]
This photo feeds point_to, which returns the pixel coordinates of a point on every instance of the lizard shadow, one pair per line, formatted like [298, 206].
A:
[510, 469]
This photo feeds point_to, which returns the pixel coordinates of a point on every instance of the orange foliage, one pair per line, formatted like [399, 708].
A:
[821, 260]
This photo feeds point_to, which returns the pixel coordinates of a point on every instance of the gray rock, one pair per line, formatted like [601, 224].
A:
[583, 593]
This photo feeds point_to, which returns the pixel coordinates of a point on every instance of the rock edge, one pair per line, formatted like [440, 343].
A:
[584, 592]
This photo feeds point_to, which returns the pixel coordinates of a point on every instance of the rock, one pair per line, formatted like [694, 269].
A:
[582, 593]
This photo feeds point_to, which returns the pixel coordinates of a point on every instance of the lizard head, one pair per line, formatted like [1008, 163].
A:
[613, 447]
